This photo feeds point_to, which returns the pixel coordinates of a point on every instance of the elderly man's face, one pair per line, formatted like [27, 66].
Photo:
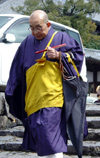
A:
[39, 28]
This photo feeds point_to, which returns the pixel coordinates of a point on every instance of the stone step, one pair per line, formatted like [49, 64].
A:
[93, 110]
[93, 134]
[15, 154]
[93, 122]
[90, 148]
[13, 143]
[17, 131]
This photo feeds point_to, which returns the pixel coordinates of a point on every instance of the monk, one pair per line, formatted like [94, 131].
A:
[34, 90]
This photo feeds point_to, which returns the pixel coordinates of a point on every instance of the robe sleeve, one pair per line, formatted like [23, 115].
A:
[15, 88]
[71, 55]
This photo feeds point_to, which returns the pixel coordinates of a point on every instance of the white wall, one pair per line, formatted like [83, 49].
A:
[98, 76]
[90, 76]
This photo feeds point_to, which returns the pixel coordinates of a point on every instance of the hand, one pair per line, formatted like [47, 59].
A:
[52, 53]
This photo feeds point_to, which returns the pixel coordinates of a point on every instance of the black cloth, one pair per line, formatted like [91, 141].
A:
[75, 93]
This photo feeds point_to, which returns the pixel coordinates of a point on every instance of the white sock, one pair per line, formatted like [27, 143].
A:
[57, 155]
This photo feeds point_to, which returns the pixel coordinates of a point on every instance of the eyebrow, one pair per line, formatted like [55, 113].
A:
[35, 26]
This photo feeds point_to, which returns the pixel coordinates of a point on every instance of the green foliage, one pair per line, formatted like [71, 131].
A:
[73, 13]
[48, 5]
[93, 41]
[77, 7]
[29, 7]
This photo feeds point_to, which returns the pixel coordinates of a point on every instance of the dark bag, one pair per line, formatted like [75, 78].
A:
[75, 93]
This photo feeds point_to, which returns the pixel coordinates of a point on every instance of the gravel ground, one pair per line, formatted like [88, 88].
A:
[7, 154]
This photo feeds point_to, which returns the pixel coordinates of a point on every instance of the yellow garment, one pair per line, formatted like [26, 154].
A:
[71, 61]
[44, 87]
[43, 59]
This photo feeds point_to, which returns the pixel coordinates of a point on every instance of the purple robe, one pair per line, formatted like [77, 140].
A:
[25, 57]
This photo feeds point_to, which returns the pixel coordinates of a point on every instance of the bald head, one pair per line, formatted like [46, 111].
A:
[40, 14]
[39, 24]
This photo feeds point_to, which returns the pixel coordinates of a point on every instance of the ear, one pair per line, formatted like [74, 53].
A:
[48, 24]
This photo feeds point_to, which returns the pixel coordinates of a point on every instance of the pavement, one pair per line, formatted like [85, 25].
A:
[11, 139]
[7, 154]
